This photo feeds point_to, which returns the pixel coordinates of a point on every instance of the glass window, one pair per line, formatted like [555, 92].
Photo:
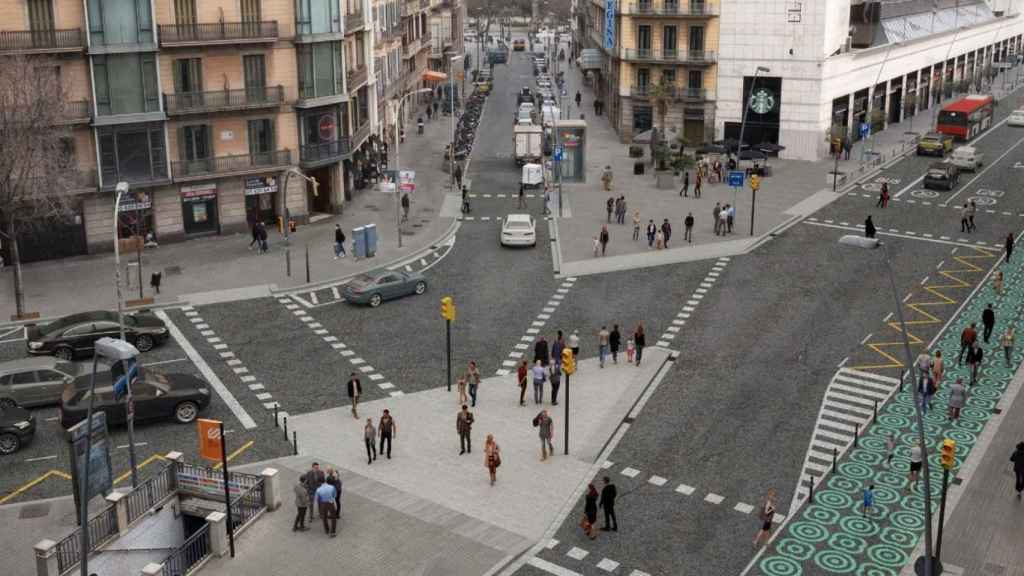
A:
[695, 79]
[320, 69]
[697, 38]
[5, 380]
[120, 22]
[261, 137]
[132, 153]
[317, 16]
[126, 83]
[80, 330]
[24, 378]
[195, 143]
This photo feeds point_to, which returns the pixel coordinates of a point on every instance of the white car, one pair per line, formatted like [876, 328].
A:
[518, 230]
[1016, 118]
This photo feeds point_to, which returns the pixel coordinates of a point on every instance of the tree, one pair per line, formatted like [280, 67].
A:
[661, 95]
[36, 172]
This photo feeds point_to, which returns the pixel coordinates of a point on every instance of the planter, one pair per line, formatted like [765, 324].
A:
[665, 180]
[837, 178]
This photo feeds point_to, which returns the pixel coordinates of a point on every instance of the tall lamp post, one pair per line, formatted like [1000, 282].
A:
[746, 107]
[872, 243]
[398, 163]
[122, 189]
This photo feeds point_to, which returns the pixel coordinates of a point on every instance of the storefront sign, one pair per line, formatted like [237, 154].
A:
[256, 185]
[199, 192]
[609, 24]
[133, 205]
[210, 439]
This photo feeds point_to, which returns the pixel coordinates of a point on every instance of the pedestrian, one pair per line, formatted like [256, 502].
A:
[608, 495]
[614, 340]
[924, 366]
[492, 457]
[579, 97]
[325, 496]
[688, 228]
[630, 350]
[460, 386]
[697, 186]
[539, 376]
[869, 227]
[522, 373]
[883, 196]
[890, 448]
[388, 430]
[971, 211]
[606, 176]
[730, 216]
[659, 240]
[767, 516]
[546, 430]
[714, 215]
[967, 339]
[915, 465]
[255, 235]
[666, 230]
[154, 278]
[339, 242]
[1018, 468]
[610, 207]
[574, 345]
[1006, 341]
[473, 379]
[997, 282]
[1009, 246]
[957, 398]
[604, 239]
[869, 500]
[547, 200]
[405, 208]
[370, 439]
[938, 369]
[602, 344]
[685, 190]
[355, 390]
[301, 504]
[334, 479]
[619, 210]
[597, 246]
[262, 230]
[556, 382]
[622, 210]
[458, 174]
[988, 322]
[589, 512]
[723, 220]
[464, 426]
[925, 391]
[641, 341]
[636, 225]
[964, 216]
[541, 351]
[430, 111]
[652, 230]
[974, 357]
[556, 349]
[314, 478]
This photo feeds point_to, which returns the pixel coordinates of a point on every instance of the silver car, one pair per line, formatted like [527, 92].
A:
[375, 287]
[34, 381]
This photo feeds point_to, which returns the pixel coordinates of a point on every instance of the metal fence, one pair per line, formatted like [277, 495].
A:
[213, 100]
[190, 555]
[325, 150]
[29, 40]
[152, 492]
[247, 506]
[229, 164]
[102, 528]
[218, 31]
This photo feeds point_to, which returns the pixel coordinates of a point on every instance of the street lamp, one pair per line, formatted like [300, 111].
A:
[743, 122]
[873, 243]
[115, 351]
[398, 163]
[122, 189]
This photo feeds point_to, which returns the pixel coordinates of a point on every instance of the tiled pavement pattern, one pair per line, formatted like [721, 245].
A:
[523, 348]
[698, 294]
[831, 535]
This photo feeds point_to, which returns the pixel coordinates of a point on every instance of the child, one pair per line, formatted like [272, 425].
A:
[890, 448]
[869, 500]
[463, 398]
[997, 282]
[630, 349]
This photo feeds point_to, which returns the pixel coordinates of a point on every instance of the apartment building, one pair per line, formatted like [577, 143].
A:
[387, 56]
[652, 63]
[447, 20]
[204, 107]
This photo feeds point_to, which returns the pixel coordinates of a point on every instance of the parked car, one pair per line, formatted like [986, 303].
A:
[374, 288]
[17, 427]
[518, 230]
[935, 143]
[967, 158]
[942, 175]
[155, 395]
[75, 335]
[1016, 118]
[34, 381]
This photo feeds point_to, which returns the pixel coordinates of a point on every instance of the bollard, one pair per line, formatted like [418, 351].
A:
[295, 443]
[874, 415]
[276, 425]
[810, 497]
[835, 458]
[856, 432]
[307, 264]
[288, 262]
[285, 428]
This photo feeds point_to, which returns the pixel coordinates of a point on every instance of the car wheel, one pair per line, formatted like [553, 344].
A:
[64, 353]
[375, 300]
[144, 343]
[6, 403]
[421, 287]
[9, 444]
[186, 412]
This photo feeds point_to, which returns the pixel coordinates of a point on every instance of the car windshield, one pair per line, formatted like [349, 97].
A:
[519, 224]
[937, 173]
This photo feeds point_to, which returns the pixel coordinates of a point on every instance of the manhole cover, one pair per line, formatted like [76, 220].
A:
[173, 270]
[39, 510]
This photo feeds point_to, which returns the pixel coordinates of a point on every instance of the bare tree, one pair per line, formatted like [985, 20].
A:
[36, 172]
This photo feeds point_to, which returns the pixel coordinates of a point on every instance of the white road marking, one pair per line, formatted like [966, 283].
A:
[313, 298]
[608, 565]
[866, 338]
[166, 362]
[335, 293]
[657, 480]
[981, 172]
[551, 568]
[577, 553]
[743, 508]
[630, 472]
[714, 498]
[551, 544]
[894, 234]
[41, 458]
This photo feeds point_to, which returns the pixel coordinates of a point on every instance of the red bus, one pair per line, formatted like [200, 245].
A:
[967, 117]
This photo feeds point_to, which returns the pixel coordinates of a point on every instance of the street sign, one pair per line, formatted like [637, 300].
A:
[559, 153]
[209, 439]
[736, 178]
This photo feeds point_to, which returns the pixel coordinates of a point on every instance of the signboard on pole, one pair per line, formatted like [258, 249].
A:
[405, 179]
[609, 24]
[865, 129]
[209, 439]
[559, 152]
[100, 471]
[736, 178]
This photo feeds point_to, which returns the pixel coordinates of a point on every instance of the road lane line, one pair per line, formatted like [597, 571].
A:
[41, 458]
[866, 338]
[165, 362]
[893, 234]
[232, 403]
[981, 173]
[29, 485]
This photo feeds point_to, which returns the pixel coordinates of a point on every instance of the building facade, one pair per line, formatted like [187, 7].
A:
[653, 63]
[204, 106]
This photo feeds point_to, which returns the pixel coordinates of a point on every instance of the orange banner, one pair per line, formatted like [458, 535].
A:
[209, 439]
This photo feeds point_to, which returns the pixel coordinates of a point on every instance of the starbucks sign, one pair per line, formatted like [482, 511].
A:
[763, 101]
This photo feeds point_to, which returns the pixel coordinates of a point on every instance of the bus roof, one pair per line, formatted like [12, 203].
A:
[969, 104]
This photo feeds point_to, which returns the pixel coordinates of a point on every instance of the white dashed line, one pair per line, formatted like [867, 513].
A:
[577, 553]
[685, 490]
[714, 498]
[630, 472]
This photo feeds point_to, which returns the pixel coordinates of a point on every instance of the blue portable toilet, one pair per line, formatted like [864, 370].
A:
[359, 242]
[371, 240]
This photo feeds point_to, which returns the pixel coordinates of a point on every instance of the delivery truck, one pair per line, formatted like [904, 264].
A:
[529, 142]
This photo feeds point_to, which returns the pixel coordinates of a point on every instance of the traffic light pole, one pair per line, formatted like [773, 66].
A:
[448, 348]
[942, 517]
[567, 414]
[753, 202]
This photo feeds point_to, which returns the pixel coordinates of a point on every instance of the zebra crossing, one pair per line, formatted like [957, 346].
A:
[851, 401]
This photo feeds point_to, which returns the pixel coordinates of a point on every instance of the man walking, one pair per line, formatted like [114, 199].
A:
[622, 210]
[714, 215]
[522, 373]
[614, 341]
[464, 426]
[610, 207]
[556, 382]
[355, 390]
[1018, 468]
[652, 231]
[869, 227]
[388, 429]
[405, 207]
[666, 231]
[541, 352]
[579, 98]
[538, 381]
[604, 238]
[458, 174]
[967, 338]
[988, 321]
[314, 478]
[301, 503]
[325, 496]
[544, 424]
[964, 215]
[339, 242]
[602, 344]
[1009, 246]
[972, 209]
[522, 196]
[688, 228]
[730, 216]
[608, 495]
[974, 357]
[697, 185]
[685, 190]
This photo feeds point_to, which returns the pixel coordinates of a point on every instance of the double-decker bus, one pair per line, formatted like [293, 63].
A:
[967, 117]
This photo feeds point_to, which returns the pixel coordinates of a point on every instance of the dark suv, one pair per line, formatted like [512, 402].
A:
[942, 175]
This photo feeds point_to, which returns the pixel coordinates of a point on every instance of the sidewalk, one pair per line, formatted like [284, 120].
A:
[196, 268]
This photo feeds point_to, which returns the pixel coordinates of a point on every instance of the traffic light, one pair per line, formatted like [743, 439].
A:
[448, 308]
[568, 361]
[755, 182]
[948, 454]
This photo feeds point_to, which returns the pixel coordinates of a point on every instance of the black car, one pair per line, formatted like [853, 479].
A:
[17, 427]
[943, 175]
[75, 335]
[156, 396]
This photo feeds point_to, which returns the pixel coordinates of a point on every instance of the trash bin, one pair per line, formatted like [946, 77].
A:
[638, 168]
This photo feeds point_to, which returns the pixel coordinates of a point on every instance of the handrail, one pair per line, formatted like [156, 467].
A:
[217, 31]
[213, 100]
[28, 40]
[102, 528]
[152, 492]
[194, 550]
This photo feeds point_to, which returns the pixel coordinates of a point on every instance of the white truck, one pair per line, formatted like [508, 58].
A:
[529, 143]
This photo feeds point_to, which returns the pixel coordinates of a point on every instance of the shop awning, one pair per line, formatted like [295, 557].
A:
[590, 59]
[434, 76]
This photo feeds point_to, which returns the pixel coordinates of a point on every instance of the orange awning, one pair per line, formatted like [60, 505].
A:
[432, 75]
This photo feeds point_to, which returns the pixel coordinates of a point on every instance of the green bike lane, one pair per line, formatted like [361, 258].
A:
[832, 536]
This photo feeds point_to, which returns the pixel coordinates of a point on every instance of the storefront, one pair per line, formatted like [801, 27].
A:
[199, 209]
[135, 217]
[261, 199]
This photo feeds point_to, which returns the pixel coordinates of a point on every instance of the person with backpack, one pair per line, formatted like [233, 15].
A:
[538, 382]
[546, 430]
[339, 242]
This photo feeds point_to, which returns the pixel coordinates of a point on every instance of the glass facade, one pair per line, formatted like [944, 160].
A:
[133, 153]
[320, 69]
[120, 22]
[317, 17]
[126, 84]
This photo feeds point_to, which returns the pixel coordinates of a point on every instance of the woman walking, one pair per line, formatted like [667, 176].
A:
[473, 378]
[639, 340]
[590, 512]
[492, 457]
[370, 438]
[957, 398]
[915, 465]
[463, 398]
[636, 225]
[603, 238]
[767, 517]
[938, 369]
[997, 282]
[1006, 341]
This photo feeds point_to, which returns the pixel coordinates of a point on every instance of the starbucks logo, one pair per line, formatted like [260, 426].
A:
[762, 101]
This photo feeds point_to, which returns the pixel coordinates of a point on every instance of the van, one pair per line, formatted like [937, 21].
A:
[1016, 118]
[967, 158]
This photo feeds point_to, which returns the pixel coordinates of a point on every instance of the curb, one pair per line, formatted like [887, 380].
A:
[126, 309]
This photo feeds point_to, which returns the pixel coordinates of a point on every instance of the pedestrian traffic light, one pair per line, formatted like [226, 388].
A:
[448, 308]
[948, 454]
[568, 361]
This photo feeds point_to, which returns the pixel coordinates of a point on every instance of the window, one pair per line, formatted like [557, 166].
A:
[668, 77]
[255, 68]
[261, 140]
[643, 77]
[320, 68]
[320, 126]
[195, 144]
[185, 11]
[5, 380]
[24, 378]
[695, 79]
[120, 22]
[697, 38]
[132, 152]
[40, 15]
[668, 39]
[106, 327]
[251, 11]
[126, 84]
[317, 17]
[188, 75]
[643, 38]
[49, 376]
[80, 330]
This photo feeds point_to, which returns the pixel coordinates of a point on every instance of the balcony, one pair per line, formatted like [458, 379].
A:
[410, 47]
[675, 93]
[677, 9]
[218, 33]
[354, 22]
[356, 78]
[77, 112]
[692, 57]
[41, 41]
[314, 155]
[361, 134]
[232, 165]
[182, 103]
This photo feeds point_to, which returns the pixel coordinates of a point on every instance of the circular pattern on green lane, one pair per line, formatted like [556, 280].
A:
[781, 566]
[859, 526]
[899, 537]
[835, 561]
[834, 498]
[809, 532]
[795, 549]
[888, 555]
[848, 543]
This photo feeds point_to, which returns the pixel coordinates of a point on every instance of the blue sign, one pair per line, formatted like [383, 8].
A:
[559, 153]
[865, 129]
[123, 382]
[736, 178]
[609, 24]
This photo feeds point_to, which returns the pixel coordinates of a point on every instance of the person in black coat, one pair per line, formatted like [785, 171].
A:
[608, 495]
[1018, 468]
[639, 340]
[988, 320]
[590, 512]
[614, 341]
[355, 390]
[541, 352]
[869, 228]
